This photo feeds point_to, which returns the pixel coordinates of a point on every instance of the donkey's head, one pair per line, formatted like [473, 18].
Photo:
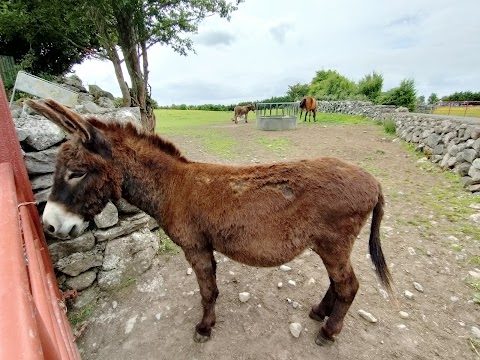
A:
[85, 178]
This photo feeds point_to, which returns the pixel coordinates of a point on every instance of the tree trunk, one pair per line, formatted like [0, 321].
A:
[115, 59]
[151, 120]
[132, 61]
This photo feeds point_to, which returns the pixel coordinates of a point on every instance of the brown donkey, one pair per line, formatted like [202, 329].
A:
[261, 215]
[309, 104]
[240, 111]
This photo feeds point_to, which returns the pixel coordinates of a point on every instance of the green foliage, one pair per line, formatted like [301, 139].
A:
[463, 96]
[297, 91]
[421, 100]
[330, 85]
[205, 107]
[45, 37]
[167, 246]
[403, 95]
[371, 86]
[78, 316]
[433, 99]
[277, 99]
[389, 126]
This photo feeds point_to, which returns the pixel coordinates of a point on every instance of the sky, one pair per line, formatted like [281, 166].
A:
[271, 44]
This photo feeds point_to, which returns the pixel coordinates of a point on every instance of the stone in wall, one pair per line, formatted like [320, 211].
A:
[119, 266]
[63, 248]
[41, 162]
[452, 142]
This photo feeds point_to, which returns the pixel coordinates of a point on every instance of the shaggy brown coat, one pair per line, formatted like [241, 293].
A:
[240, 111]
[262, 215]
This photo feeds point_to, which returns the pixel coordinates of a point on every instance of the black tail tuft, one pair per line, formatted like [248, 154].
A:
[375, 248]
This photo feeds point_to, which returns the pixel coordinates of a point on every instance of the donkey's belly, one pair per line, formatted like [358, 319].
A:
[260, 253]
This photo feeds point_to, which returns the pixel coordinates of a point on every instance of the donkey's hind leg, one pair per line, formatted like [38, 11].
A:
[325, 308]
[345, 286]
[339, 296]
[204, 265]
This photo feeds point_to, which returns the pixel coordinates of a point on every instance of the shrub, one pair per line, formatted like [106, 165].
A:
[403, 95]
[389, 126]
[371, 86]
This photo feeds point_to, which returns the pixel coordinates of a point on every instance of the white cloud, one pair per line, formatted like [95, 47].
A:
[271, 44]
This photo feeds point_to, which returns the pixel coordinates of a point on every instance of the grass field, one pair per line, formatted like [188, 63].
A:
[472, 111]
[181, 121]
[185, 121]
[200, 124]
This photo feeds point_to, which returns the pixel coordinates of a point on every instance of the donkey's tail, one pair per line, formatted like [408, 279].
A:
[375, 248]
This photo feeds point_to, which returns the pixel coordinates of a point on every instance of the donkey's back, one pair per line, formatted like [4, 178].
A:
[266, 215]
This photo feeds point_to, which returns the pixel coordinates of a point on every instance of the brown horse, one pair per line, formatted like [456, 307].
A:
[262, 215]
[309, 104]
[240, 111]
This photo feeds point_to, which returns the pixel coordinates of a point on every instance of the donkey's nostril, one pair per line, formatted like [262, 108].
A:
[51, 229]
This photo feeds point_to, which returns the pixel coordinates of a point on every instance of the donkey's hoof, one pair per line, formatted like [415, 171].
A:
[315, 316]
[323, 341]
[201, 336]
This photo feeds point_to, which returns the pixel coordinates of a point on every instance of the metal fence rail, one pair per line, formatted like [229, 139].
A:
[33, 322]
[277, 110]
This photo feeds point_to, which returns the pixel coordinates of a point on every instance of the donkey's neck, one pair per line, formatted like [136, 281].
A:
[151, 166]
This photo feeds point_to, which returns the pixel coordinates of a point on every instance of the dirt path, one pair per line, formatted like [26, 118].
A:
[154, 318]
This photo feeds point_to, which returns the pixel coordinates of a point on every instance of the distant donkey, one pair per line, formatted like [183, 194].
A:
[309, 104]
[241, 111]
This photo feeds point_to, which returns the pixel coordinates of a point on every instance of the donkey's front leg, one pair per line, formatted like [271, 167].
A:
[204, 265]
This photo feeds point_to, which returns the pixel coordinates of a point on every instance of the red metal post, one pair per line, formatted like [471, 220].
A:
[19, 338]
[32, 323]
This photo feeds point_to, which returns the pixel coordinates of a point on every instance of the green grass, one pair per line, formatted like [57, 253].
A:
[472, 111]
[279, 146]
[389, 126]
[195, 123]
[167, 246]
[179, 121]
[76, 317]
[450, 201]
[475, 261]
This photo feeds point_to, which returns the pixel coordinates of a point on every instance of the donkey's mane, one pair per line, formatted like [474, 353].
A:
[134, 131]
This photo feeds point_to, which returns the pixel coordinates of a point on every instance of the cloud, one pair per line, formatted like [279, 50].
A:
[279, 31]
[215, 38]
[270, 44]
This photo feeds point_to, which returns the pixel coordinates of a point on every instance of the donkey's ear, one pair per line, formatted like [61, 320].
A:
[67, 119]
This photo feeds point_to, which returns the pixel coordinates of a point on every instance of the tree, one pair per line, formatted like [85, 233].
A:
[403, 95]
[371, 86]
[298, 91]
[133, 26]
[433, 99]
[421, 100]
[463, 96]
[330, 85]
[45, 37]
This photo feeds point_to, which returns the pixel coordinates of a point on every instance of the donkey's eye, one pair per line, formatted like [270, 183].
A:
[76, 175]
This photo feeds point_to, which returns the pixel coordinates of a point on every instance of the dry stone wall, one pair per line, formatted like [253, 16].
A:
[451, 142]
[121, 242]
